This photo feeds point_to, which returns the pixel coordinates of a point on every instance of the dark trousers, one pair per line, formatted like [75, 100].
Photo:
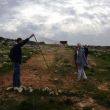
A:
[16, 75]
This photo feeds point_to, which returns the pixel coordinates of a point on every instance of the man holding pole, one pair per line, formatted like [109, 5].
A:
[16, 57]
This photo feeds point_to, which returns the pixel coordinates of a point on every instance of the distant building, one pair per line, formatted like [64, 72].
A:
[63, 43]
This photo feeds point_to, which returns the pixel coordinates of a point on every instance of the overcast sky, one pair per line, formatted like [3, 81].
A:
[84, 21]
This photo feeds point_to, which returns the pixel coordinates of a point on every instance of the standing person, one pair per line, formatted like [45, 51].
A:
[86, 51]
[75, 58]
[81, 62]
[16, 57]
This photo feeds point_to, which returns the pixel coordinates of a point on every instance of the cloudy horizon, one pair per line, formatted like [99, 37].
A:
[84, 21]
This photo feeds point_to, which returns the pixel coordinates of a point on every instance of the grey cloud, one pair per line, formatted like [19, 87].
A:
[6, 10]
[87, 15]
[96, 12]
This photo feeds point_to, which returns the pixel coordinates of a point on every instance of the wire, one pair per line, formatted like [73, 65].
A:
[34, 95]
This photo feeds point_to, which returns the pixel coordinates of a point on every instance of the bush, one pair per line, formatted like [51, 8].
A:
[5, 67]
[25, 105]
[102, 98]
[62, 66]
[88, 108]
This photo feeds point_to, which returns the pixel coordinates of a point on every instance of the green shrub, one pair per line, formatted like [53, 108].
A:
[5, 67]
[88, 108]
[25, 105]
[102, 98]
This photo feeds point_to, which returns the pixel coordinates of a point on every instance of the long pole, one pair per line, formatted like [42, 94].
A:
[42, 54]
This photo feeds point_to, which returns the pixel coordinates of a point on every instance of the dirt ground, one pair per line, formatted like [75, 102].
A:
[36, 74]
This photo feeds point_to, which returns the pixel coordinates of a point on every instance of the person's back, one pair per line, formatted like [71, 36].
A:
[86, 51]
[75, 54]
[75, 58]
[16, 54]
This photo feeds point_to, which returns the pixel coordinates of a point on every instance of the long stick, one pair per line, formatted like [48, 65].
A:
[42, 54]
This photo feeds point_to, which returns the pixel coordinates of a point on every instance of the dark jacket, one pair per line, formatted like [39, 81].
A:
[86, 51]
[16, 52]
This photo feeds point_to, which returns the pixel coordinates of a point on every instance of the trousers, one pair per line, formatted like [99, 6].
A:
[81, 73]
[16, 75]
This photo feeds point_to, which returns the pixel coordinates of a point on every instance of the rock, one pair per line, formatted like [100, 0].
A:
[30, 89]
[60, 91]
[9, 88]
[51, 93]
[46, 89]
[24, 87]
[19, 89]
[56, 93]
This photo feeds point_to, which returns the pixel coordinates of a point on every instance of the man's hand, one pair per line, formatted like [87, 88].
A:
[31, 36]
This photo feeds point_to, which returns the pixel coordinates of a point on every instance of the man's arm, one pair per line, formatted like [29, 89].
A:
[25, 41]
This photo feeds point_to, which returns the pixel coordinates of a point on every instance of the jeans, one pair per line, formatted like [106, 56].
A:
[16, 75]
[81, 73]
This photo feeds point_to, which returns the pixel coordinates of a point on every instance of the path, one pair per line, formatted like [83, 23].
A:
[35, 72]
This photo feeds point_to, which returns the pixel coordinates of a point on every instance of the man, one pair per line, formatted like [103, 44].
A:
[86, 51]
[16, 57]
[75, 57]
[81, 62]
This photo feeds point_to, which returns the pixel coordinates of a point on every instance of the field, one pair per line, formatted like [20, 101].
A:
[56, 87]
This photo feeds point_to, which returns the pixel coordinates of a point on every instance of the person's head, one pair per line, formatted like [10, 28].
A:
[18, 40]
[85, 45]
[78, 45]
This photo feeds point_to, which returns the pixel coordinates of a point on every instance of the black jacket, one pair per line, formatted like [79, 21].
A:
[16, 52]
[86, 51]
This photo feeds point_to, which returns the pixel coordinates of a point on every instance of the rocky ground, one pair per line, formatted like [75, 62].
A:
[58, 81]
